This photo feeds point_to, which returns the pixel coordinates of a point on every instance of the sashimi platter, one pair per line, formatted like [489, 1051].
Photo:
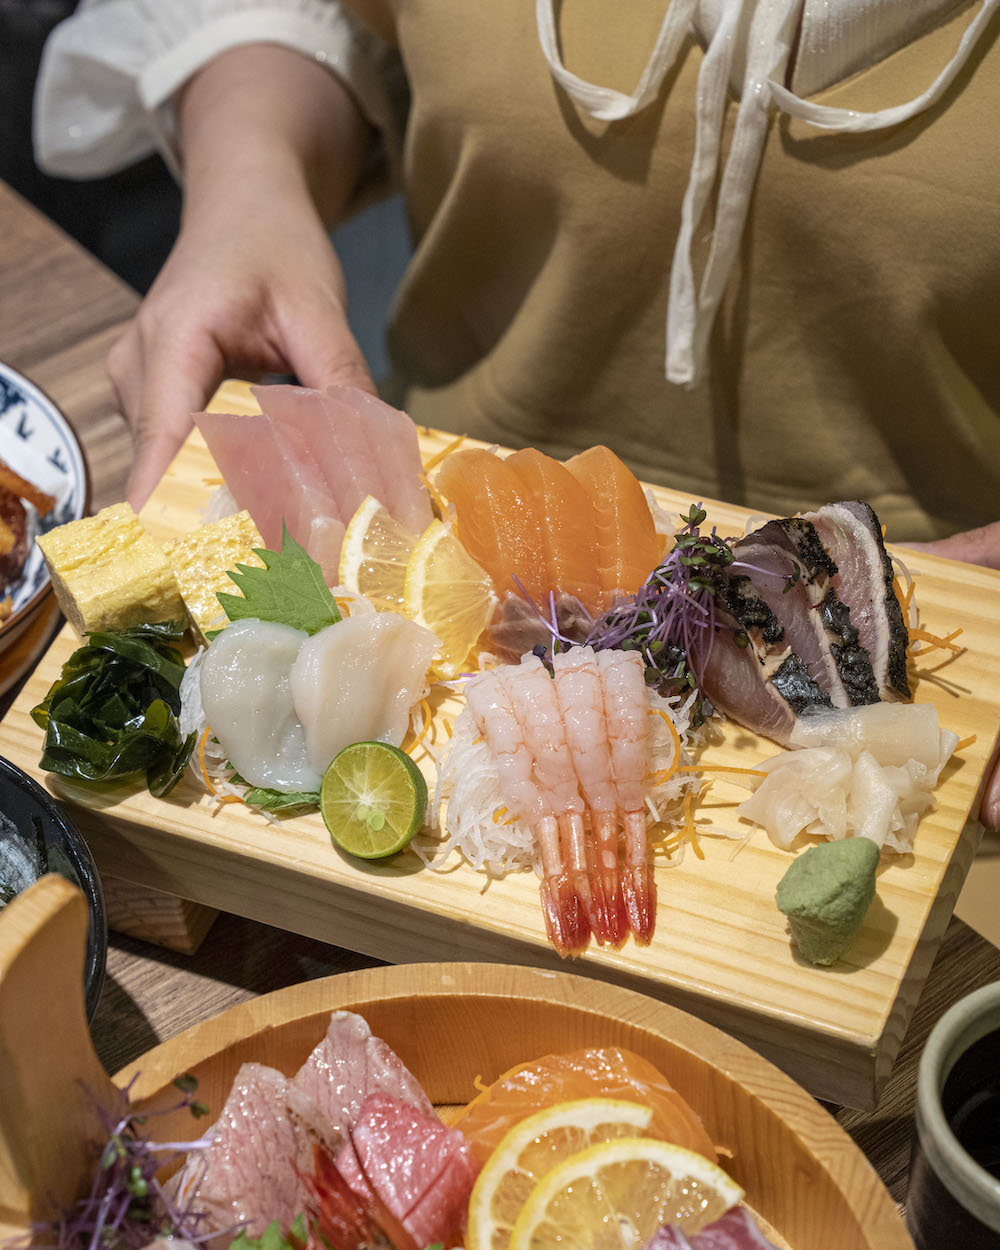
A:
[426, 698]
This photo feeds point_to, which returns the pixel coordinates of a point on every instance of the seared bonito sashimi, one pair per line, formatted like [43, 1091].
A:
[808, 619]
[311, 456]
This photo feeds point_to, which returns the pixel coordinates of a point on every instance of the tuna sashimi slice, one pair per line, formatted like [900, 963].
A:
[419, 1174]
[348, 1065]
[627, 546]
[736, 1230]
[262, 1146]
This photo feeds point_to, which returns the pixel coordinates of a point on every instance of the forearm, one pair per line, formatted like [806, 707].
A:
[270, 121]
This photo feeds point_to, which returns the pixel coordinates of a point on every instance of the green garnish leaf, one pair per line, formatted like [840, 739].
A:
[277, 801]
[113, 711]
[289, 590]
[272, 1239]
[187, 1083]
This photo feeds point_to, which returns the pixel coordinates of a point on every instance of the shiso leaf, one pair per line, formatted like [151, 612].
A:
[289, 590]
[279, 801]
[113, 711]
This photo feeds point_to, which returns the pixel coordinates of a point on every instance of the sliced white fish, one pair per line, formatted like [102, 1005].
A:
[247, 699]
[893, 732]
[357, 680]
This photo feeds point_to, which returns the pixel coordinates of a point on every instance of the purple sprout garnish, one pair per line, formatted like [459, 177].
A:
[127, 1206]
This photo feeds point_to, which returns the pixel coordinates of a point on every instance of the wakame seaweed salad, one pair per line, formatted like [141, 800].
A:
[113, 711]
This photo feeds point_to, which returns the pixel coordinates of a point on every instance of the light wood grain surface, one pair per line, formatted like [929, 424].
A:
[721, 947]
[151, 994]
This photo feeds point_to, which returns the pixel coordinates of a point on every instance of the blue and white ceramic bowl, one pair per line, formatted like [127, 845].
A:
[37, 442]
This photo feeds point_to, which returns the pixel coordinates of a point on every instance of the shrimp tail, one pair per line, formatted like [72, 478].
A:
[566, 921]
[638, 882]
[639, 893]
[609, 917]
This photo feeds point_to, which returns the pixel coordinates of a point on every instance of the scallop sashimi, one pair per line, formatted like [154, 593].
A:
[247, 699]
[357, 680]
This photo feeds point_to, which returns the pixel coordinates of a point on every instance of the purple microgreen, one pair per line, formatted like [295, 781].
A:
[126, 1207]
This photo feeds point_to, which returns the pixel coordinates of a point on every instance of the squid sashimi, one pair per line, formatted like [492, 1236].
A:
[247, 699]
[357, 680]
[311, 457]
[626, 542]
[864, 772]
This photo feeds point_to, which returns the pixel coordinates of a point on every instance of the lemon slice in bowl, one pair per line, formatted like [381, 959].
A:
[615, 1196]
[374, 555]
[531, 1149]
[373, 799]
[450, 594]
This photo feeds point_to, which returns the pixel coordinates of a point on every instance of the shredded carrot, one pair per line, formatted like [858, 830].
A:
[425, 707]
[343, 606]
[435, 460]
[689, 828]
[230, 798]
[201, 761]
[499, 814]
[966, 742]
[476, 741]
[921, 635]
[481, 1085]
[439, 501]
[447, 727]
[721, 768]
[677, 746]
[213, 481]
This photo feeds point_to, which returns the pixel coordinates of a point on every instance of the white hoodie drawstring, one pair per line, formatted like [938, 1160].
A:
[772, 27]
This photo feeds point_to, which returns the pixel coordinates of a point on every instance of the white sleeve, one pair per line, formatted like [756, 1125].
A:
[109, 73]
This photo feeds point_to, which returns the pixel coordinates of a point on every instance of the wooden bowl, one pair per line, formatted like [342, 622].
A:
[452, 1023]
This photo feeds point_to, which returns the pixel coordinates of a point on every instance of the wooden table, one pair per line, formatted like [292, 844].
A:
[59, 314]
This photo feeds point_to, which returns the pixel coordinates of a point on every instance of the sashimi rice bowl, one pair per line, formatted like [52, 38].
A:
[556, 651]
[294, 1121]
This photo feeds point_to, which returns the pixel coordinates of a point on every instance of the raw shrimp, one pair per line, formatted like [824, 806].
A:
[581, 699]
[626, 711]
[501, 710]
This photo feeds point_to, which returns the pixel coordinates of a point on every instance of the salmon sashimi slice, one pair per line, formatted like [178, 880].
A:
[607, 1072]
[626, 543]
[497, 521]
[566, 517]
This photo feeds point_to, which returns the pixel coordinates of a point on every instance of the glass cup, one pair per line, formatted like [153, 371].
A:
[954, 1191]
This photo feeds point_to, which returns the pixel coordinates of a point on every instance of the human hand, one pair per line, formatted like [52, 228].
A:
[979, 546]
[248, 287]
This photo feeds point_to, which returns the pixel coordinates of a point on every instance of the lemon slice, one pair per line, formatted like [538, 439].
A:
[373, 799]
[449, 593]
[617, 1194]
[374, 555]
[531, 1149]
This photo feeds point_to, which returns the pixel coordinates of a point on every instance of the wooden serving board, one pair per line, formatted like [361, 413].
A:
[721, 949]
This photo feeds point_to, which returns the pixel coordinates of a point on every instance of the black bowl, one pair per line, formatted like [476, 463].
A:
[37, 837]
